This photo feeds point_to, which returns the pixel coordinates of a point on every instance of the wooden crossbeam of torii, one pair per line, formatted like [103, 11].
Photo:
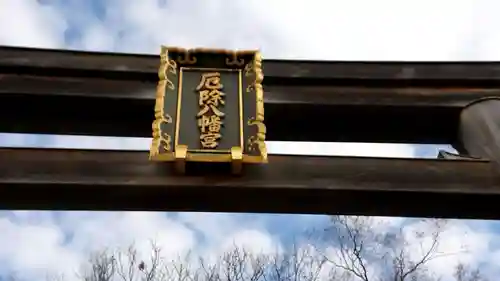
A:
[65, 179]
[382, 101]
[104, 94]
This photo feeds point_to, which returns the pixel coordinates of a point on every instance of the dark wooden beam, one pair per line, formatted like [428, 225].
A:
[118, 180]
[61, 105]
[316, 94]
[82, 93]
[117, 64]
[87, 107]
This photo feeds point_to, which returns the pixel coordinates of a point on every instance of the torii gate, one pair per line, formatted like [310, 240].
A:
[105, 94]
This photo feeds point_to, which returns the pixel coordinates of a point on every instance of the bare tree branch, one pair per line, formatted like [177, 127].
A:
[102, 267]
[465, 273]
[356, 250]
[356, 246]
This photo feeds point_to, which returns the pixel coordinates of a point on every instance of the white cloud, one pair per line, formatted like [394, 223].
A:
[313, 29]
[27, 23]
[37, 243]
[251, 240]
[34, 249]
[464, 242]
[342, 149]
[274, 147]
[458, 243]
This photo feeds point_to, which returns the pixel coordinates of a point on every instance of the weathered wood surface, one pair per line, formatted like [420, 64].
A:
[83, 93]
[77, 115]
[334, 95]
[119, 180]
[116, 64]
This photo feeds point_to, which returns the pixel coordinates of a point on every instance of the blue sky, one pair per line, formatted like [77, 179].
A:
[37, 243]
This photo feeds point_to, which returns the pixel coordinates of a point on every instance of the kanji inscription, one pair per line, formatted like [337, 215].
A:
[209, 107]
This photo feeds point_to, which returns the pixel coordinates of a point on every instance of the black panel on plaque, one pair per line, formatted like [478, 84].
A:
[189, 132]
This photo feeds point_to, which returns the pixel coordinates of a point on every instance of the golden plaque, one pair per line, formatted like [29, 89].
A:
[209, 108]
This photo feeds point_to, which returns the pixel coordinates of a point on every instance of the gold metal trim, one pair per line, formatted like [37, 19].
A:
[259, 138]
[188, 58]
[166, 66]
[208, 69]
[236, 160]
[233, 60]
[207, 157]
[181, 153]
[233, 55]
[240, 99]
[210, 150]
[179, 106]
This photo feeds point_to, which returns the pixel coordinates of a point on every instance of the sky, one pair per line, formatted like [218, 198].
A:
[35, 244]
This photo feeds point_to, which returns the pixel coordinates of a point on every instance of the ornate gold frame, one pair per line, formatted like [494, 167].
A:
[181, 153]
